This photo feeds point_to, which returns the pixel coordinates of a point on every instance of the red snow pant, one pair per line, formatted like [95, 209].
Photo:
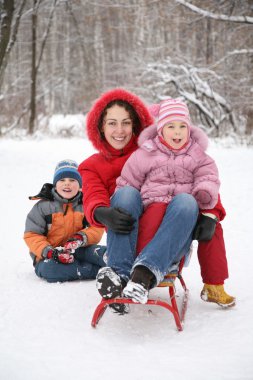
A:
[211, 254]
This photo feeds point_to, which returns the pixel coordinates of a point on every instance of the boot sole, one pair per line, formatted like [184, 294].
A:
[109, 285]
[223, 305]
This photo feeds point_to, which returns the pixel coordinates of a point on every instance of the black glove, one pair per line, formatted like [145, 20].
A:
[204, 229]
[115, 219]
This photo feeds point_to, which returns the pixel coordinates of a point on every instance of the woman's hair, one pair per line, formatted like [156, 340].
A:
[130, 109]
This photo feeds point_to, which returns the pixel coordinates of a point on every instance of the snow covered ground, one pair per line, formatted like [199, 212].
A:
[45, 330]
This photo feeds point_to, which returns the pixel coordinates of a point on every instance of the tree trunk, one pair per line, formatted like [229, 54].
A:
[8, 33]
[209, 43]
[7, 10]
[33, 71]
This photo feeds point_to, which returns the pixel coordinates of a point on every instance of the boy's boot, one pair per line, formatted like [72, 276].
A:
[137, 288]
[217, 294]
[110, 285]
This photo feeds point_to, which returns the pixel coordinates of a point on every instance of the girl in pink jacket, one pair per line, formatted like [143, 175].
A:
[171, 159]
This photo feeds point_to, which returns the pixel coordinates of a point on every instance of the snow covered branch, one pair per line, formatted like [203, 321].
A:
[215, 16]
[209, 107]
[231, 54]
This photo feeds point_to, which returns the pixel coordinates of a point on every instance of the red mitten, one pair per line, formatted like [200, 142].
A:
[75, 242]
[60, 256]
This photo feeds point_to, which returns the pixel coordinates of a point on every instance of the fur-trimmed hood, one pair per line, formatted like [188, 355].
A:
[94, 115]
[48, 193]
[196, 134]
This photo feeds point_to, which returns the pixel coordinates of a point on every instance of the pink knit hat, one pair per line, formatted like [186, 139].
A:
[170, 110]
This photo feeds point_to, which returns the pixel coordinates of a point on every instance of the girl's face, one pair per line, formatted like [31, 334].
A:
[175, 134]
[117, 127]
[67, 187]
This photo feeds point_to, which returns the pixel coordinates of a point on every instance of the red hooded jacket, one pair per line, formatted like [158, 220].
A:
[100, 171]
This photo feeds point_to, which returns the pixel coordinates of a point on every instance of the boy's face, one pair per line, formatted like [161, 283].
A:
[67, 187]
[175, 134]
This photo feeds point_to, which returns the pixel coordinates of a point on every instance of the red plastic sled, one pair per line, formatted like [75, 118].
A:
[172, 306]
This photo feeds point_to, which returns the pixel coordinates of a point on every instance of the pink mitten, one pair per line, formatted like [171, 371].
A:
[203, 197]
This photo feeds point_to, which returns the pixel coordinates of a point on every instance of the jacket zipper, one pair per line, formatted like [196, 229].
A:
[66, 210]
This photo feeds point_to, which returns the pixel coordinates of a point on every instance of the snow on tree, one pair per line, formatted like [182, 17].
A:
[179, 79]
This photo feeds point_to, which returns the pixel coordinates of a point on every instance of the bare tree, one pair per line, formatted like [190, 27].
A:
[33, 67]
[9, 30]
[34, 63]
[7, 10]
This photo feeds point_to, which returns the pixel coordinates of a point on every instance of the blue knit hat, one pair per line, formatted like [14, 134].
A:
[67, 169]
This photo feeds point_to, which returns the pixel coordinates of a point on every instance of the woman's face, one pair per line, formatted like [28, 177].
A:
[117, 127]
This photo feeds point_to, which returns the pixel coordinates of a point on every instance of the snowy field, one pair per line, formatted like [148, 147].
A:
[45, 331]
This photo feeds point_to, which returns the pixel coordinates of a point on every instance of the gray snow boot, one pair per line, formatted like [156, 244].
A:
[138, 287]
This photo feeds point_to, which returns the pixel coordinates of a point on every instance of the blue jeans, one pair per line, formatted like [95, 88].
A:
[171, 242]
[88, 261]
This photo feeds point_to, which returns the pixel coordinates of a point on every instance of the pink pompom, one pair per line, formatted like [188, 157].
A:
[154, 109]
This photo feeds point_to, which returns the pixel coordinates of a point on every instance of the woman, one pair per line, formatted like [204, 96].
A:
[113, 125]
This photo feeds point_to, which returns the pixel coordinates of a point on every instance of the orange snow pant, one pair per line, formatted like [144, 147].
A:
[211, 254]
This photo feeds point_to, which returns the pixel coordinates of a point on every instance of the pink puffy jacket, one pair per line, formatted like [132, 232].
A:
[160, 173]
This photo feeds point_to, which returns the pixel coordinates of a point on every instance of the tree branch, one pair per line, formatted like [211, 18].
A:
[215, 16]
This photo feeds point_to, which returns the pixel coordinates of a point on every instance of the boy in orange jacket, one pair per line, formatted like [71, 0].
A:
[61, 242]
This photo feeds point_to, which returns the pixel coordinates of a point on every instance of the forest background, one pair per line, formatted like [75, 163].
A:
[57, 56]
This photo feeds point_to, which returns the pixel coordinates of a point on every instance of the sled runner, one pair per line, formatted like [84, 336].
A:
[171, 305]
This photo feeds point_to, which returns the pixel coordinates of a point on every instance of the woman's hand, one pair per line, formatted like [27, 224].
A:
[115, 219]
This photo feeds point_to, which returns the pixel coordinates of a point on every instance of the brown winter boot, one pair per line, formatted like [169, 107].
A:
[217, 294]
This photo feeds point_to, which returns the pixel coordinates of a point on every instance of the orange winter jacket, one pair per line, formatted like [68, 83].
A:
[53, 220]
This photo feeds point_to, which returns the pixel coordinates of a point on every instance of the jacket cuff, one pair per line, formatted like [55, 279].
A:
[85, 238]
[211, 215]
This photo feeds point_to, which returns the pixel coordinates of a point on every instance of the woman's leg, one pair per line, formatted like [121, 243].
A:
[173, 238]
[121, 248]
[214, 269]
[212, 258]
